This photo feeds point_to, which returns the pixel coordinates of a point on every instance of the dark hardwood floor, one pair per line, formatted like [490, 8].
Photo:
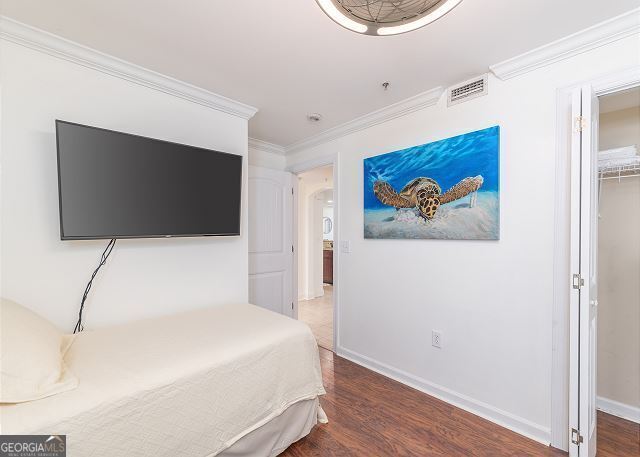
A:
[617, 437]
[374, 416]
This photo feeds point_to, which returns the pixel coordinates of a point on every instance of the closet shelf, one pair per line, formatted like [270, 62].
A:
[619, 171]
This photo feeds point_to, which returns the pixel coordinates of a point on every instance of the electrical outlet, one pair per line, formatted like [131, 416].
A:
[436, 339]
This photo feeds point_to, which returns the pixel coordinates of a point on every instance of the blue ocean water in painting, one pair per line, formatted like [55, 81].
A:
[447, 162]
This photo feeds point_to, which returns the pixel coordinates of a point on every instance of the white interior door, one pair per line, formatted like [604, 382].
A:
[584, 294]
[271, 239]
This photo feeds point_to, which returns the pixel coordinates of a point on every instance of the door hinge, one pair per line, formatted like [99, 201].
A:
[578, 282]
[579, 123]
[292, 248]
[291, 305]
[576, 437]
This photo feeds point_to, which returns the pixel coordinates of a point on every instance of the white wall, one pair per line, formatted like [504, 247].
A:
[619, 270]
[620, 128]
[143, 277]
[492, 300]
[266, 159]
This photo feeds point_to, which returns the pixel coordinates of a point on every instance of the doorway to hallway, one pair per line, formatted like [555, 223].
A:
[315, 219]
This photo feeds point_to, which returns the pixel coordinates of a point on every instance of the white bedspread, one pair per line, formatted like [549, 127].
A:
[188, 385]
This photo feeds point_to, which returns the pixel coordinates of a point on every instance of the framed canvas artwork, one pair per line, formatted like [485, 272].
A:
[448, 189]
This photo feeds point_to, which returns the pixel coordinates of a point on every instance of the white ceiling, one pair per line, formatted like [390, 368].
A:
[288, 59]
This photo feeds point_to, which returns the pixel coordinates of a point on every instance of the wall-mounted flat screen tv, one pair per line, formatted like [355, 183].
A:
[117, 185]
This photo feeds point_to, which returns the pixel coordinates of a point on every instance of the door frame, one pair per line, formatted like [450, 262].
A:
[296, 169]
[560, 358]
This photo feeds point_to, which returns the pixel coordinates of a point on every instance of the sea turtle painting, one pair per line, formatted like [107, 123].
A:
[426, 195]
[466, 165]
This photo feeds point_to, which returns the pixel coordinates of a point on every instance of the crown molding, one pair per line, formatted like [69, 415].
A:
[611, 30]
[265, 146]
[56, 46]
[387, 113]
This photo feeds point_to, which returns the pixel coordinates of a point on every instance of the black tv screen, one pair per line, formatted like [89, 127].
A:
[117, 185]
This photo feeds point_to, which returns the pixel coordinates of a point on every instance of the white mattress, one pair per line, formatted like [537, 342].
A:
[190, 385]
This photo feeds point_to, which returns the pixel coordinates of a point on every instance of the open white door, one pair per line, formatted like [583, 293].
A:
[271, 239]
[584, 294]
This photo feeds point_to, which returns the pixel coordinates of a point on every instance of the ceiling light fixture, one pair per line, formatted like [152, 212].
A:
[332, 11]
[385, 17]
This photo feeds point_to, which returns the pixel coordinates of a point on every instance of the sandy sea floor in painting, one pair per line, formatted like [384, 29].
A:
[453, 221]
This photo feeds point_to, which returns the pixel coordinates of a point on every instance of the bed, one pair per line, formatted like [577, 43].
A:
[233, 380]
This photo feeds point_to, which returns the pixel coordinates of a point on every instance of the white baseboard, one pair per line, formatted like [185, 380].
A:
[616, 408]
[307, 297]
[310, 296]
[512, 422]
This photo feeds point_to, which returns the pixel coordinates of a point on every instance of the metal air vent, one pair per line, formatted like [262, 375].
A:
[476, 87]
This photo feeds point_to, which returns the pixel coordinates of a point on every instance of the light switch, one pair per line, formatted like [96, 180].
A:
[345, 246]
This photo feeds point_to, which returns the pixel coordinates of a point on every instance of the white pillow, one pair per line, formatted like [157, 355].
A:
[31, 351]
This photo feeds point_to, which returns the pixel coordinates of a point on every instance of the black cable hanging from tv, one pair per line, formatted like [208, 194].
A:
[105, 255]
